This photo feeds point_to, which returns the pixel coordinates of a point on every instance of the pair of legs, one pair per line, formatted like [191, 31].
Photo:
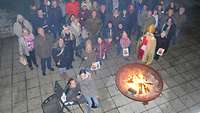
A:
[46, 62]
[31, 59]
[92, 101]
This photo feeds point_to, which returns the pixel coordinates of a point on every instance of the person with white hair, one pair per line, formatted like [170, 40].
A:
[21, 23]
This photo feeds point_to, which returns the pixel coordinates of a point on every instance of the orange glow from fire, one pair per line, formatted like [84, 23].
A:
[140, 85]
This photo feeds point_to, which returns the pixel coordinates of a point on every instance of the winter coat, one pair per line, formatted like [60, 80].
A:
[72, 8]
[44, 46]
[106, 33]
[88, 86]
[76, 30]
[83, 15]
[26, 45]
[125, 42]
[17, 27]
[100, 50]
[94, 25]
[90, 58]
[55, 17]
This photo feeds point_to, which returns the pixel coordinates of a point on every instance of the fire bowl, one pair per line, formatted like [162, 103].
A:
[139, 82]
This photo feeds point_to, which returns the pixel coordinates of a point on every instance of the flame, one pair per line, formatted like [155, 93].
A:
[138, 84]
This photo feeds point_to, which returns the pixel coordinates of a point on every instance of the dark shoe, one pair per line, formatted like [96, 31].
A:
[71, 66]
[44, 74]
[51, 69]
[36, 65]
[31, 68]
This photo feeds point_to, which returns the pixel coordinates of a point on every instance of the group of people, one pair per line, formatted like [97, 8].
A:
[91, 29]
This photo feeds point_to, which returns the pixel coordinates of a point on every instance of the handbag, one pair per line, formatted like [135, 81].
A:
[23, 60]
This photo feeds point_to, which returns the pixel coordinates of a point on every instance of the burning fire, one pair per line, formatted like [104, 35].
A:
[140, 85]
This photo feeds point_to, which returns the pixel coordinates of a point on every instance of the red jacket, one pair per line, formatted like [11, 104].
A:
[72, 8]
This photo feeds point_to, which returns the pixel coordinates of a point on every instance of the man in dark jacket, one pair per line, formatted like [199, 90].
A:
[43, 47]
[55, 17]
[41, 21]
[132, 20]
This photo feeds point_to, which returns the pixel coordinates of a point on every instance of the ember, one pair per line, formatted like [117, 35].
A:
[139, 82]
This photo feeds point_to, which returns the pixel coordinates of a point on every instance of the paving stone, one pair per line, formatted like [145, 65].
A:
[103, 93]
[187, 101]
[121, 100]
[20, 107]
[155, 110]
[195, 109]
[177, 105]
[167, 108]
[108, 105]
[113, 90]
[125, 109]
[34, 92]
[34, 103]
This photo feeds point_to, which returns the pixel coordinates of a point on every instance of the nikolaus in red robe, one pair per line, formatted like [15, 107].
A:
[142, 45]
[146, 47]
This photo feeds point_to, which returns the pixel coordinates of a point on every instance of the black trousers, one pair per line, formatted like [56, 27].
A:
[31, 59]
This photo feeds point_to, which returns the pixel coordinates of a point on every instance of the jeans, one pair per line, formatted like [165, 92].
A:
[62, 70]
[31, 59]
[45, 61]
[90, 100]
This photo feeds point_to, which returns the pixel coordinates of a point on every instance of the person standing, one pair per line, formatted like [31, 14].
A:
[43, 47]
[69, 41]
[27, 47]
[55, 17]
[88, 89]
[21, 23]
[72, 7]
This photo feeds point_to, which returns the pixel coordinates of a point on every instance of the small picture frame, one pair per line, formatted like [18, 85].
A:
[160, 51]
[95, 66]
[125, 52]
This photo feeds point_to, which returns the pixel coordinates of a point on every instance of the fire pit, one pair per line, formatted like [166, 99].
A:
[139, 82]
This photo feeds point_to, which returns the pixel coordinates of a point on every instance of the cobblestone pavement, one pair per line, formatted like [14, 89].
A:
[23, 91]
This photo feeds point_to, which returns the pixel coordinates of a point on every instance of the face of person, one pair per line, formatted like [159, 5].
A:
[66, 30]
[170, 12]
[124, 12]
[72, 0]
[103, 8]
[149, 13]
[169, 21]
[54, 4]
[155, 12]
[94, 14]
[40, 13]
[84, 76]
[172, 4]
[115, 13]
[99, 40]
[109, 25]
[159, 8]
[72, 18]
[72, 84]
[124, 34]
[41, 32]
[25, 32]
[145, 7]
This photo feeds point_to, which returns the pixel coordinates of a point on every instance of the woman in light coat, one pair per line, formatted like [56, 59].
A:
[27, 47]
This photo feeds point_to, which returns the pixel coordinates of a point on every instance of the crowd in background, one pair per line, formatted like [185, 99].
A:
[91, 29]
